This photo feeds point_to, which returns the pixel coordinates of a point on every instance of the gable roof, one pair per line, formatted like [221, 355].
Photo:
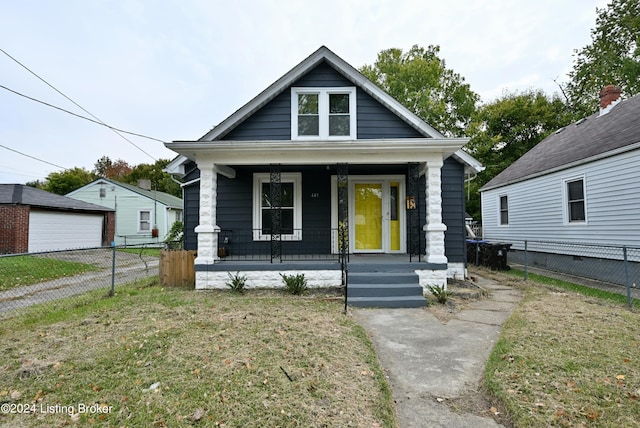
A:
[20, 194]
[586, 140]
[162, 197]
[342, 67]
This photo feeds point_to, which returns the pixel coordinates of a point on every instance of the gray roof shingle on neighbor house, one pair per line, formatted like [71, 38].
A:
[592, 137]
[20, 194]
[162, 197]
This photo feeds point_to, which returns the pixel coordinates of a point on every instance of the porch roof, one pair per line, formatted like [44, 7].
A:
[374, 151]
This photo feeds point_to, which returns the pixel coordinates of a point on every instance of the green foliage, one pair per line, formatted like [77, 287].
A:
[612, 58]
[115, 170]
[175, 237]
[161, 181]
[505, 129]
[67, 181]
[440, 292]
[237, 282]
[296, 284]
[420, 80]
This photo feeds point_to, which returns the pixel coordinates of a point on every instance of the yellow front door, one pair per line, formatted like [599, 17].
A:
[368, 216]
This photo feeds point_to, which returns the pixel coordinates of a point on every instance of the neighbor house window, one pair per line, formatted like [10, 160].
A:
[290, 203]
[504, 210]
[575, 201]
[323, 113]
[144, 221]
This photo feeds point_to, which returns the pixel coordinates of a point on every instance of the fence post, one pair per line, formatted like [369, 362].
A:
[113, 269]
[626, 275]
[526, 261]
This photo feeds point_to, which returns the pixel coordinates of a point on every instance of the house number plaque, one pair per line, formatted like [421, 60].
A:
[411, 202]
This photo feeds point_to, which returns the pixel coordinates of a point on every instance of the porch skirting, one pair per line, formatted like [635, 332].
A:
[318, 275]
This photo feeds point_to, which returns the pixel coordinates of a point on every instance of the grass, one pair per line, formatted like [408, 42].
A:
[17, 271]
[143, 251]
[174, 357]
[569, 286]
[565, 358]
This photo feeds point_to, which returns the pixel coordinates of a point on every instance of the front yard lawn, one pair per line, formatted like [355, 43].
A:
[566, 359]
[154, 356]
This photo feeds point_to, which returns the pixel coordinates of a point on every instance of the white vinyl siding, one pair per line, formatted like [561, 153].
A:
[51, 230]
[537, 207]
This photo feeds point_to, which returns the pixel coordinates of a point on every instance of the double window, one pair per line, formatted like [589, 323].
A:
[323, 113]
[290, 206]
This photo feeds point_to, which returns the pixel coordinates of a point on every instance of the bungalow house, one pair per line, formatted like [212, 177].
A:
[32, 220]
[143, 215]
[580, 185]
[319, 164]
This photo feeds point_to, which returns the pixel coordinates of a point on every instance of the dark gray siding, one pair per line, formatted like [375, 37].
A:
[453, 207]
[273, 121]
[191, 202]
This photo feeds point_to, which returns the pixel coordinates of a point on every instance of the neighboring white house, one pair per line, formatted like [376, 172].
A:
[140, 211]
[579, 185]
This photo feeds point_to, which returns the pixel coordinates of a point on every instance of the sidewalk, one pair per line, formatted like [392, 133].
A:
[430, 362]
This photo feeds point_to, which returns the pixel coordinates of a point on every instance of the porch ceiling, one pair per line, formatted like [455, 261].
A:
[225, 152]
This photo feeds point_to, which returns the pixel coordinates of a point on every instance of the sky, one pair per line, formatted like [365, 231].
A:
[173, 69]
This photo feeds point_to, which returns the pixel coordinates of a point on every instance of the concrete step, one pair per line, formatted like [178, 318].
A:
[383, 290]
[388, 302]
[383, 278]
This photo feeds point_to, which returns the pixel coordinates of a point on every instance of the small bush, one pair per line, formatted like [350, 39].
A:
[237, 282]
[296, 284]
[440, 292]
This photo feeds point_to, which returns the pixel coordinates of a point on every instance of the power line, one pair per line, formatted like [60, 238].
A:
[77, 105]
[78, 115]
[32, 157]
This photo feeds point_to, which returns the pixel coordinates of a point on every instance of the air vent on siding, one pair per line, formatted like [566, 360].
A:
[103, 192]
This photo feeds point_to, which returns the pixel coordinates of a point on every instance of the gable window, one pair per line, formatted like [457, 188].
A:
[144, 221]
[323, 113]
[290, 202]
[575, 201]
[504, 210]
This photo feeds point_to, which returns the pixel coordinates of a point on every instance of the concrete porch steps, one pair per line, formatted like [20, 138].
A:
[385, 290]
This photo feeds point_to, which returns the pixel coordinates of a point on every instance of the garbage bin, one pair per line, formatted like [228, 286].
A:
[494, 255]
[473, 250]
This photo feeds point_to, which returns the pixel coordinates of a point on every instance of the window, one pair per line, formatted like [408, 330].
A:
[504, 210]
[575, 201]
[144, 221]
[323, 113]
[290, 202]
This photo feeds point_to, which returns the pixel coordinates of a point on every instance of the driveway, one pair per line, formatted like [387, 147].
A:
[434, 360]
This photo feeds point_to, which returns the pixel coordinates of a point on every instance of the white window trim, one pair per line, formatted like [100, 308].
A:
[500, 224]
[566, 213]
[140, 221]
[323, 112]
[285, 177]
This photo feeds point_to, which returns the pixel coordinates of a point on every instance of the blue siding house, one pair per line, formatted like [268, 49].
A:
[322, 163]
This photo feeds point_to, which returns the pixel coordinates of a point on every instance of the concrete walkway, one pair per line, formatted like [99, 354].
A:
[430, 362]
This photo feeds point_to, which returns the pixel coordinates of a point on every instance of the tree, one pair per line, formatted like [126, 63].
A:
[67, 181]
[420, 81]
[115, 170]
[612, 58]
[160, 180]
[507, 128]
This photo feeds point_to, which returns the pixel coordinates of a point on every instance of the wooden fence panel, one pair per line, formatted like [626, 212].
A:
[176, 268]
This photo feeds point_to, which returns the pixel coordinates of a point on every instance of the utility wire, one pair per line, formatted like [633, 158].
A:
[78, 115]
[77, 105]
[32, 157]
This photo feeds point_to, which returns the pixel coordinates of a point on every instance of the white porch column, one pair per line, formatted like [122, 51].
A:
[434, 227]
[207, 229]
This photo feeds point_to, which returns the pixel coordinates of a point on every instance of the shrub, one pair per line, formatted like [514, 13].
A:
[440, 292]
[296, 284]
[237, 282]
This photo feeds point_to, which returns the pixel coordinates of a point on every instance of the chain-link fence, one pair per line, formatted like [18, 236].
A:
[45, 278]
[610, 267]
